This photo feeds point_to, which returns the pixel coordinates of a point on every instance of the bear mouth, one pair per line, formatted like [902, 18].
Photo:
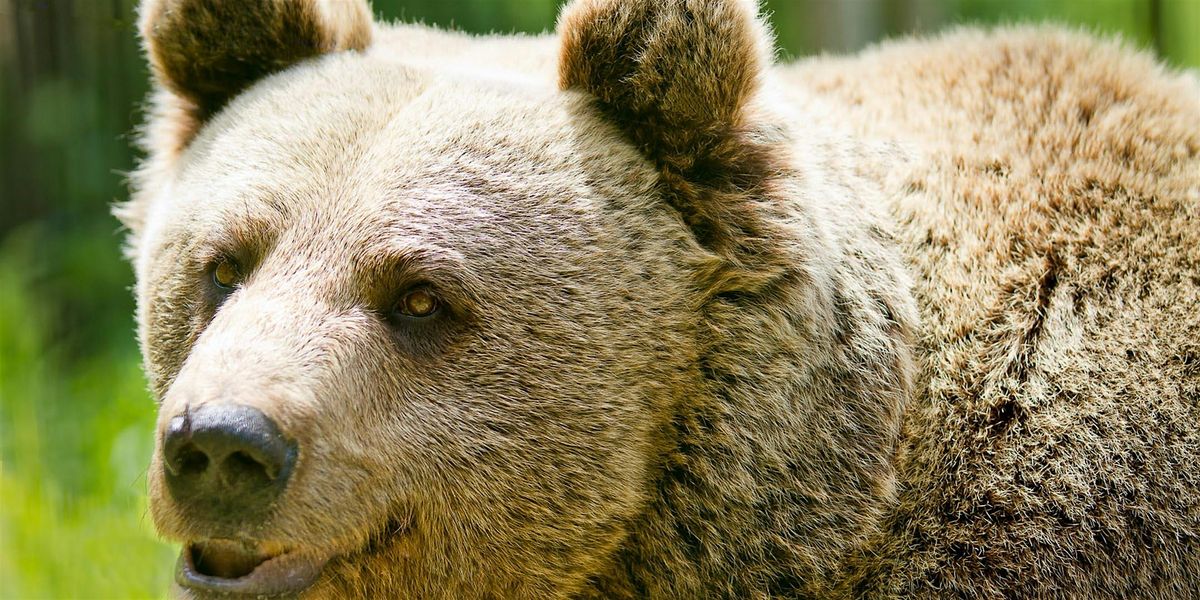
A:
[225, 568]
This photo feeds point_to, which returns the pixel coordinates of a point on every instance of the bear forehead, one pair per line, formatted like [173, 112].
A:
[346, 111]
[351, 135]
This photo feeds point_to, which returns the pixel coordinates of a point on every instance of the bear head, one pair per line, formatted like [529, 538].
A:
[435, 316]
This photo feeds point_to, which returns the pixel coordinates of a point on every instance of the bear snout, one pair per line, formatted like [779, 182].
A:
[226, 464]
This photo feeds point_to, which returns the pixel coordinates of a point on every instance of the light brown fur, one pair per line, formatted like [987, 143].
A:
[683, 357]
[1051, 215]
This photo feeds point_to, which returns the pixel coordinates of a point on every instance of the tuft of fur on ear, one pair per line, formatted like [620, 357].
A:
[678, 76]
[208, 51]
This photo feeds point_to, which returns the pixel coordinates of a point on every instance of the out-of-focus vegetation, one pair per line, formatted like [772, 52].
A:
[75, 418]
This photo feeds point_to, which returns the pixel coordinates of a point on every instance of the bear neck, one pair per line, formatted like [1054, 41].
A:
[783, 462]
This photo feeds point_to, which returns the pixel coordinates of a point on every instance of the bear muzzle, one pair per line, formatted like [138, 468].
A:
[225, 466]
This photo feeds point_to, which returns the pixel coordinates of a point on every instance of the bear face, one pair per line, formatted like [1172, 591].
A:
[399, 187]
[420, 330]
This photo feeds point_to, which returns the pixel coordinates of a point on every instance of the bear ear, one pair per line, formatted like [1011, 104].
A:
[678, 77]
[690, 65]
[207, 51]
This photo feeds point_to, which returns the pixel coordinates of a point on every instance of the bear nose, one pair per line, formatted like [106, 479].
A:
[227, 462]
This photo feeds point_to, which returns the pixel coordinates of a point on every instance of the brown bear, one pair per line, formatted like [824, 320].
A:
[629, 311]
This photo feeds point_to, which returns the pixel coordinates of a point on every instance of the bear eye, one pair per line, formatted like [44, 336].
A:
[226, 275]
[418, 302]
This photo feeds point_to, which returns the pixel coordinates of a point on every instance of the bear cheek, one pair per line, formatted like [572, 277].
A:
[169, 328]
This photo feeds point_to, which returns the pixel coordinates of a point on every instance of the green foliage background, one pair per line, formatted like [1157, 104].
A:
[75, 418]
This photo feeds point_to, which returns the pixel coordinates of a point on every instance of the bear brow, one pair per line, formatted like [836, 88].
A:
[384, 270]
[248, 235]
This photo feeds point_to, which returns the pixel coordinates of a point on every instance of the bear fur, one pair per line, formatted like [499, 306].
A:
[916, 323]
[1051, 220]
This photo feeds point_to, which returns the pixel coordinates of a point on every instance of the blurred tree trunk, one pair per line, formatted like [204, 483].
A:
[840, 26]
[68, 97]
[812, 26]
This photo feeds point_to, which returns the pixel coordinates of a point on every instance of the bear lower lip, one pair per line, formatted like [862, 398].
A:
[227, 559]
[232, 568]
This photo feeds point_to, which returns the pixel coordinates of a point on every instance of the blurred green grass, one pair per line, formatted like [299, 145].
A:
[76, 421]
[74, 437]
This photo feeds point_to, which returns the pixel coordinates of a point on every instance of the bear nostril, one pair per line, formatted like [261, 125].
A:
[226, 463]
[241, 467]
[190, 461]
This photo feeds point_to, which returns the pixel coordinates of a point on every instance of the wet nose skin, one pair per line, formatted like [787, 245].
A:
[226, 463]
